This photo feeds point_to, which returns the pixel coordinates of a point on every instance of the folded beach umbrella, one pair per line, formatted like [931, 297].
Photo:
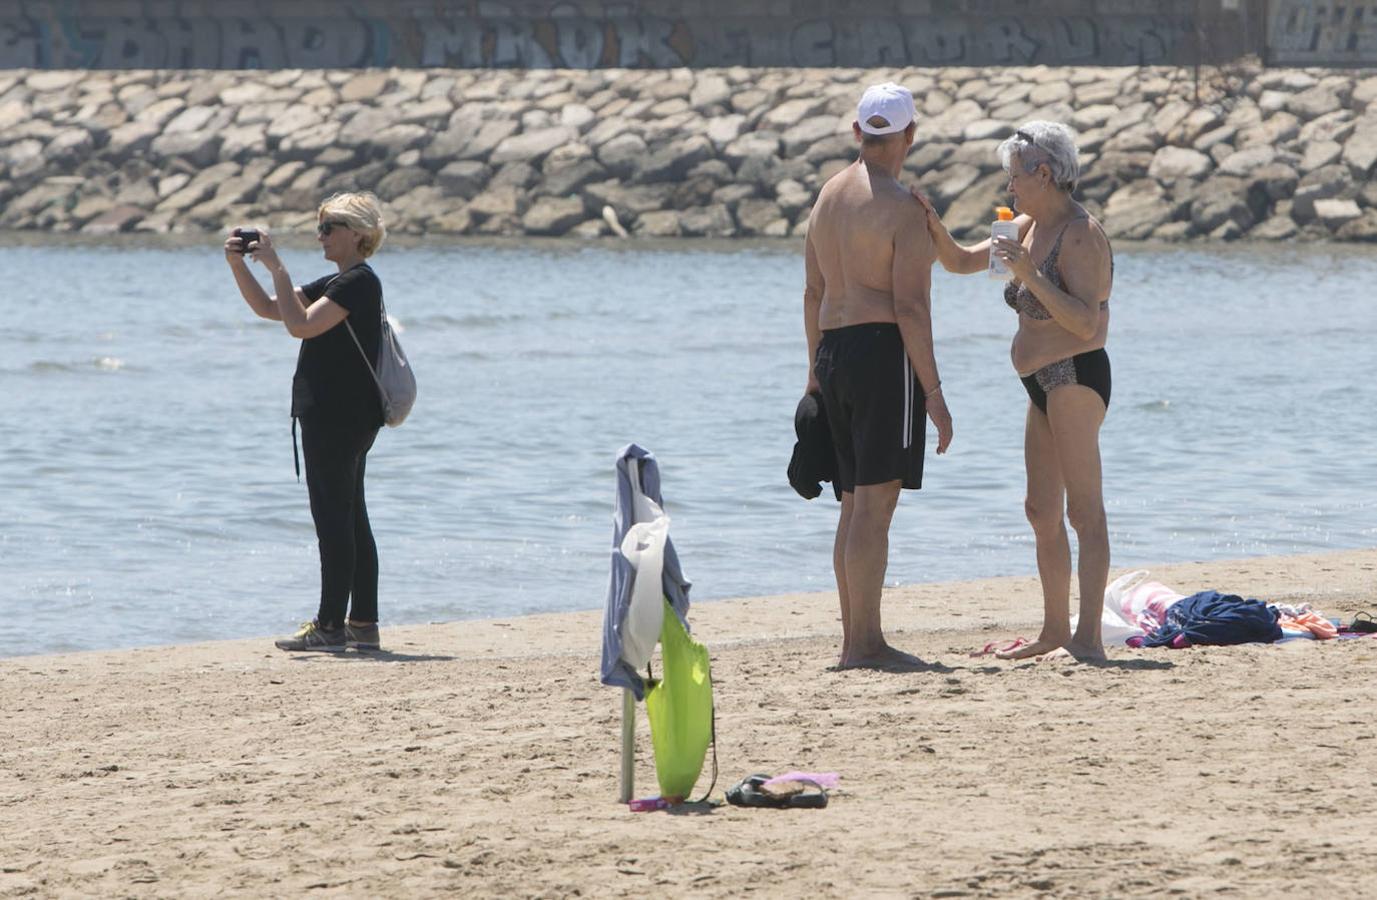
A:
[647, 603]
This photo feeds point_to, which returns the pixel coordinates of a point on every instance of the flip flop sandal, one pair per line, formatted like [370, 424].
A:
[750, 791]
[993, 647]
[795, 794]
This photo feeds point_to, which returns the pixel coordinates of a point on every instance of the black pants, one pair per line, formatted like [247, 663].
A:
[336, 456]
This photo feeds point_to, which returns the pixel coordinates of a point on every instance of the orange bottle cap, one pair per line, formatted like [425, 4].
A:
[1004, 213]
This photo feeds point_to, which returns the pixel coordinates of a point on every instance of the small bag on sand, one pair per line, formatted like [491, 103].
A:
[394, 377]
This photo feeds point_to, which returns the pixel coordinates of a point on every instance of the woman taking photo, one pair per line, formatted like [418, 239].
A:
[1063, 269]
[336, 402]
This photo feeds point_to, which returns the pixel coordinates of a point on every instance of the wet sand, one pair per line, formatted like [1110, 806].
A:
[482, 757]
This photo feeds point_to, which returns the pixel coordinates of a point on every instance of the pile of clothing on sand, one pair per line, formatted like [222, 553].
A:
[1143, 613]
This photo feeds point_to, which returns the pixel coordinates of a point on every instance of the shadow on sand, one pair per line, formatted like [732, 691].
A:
[377, 656]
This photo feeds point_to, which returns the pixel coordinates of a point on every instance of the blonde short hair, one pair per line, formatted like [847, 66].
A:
[359, 211]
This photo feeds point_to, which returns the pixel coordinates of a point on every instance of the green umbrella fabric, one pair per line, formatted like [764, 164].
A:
[679, 706]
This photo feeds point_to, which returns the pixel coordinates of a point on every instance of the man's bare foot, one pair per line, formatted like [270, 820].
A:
[1040, 647]
[884, 657]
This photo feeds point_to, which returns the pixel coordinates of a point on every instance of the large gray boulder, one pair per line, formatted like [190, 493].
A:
[486, 138]
[753, 145]
[945, 186]
[722, 130]
[463, 178]
[553, 215]
[709, 90]
[197, 148]
[400, 182]
[805, 134]
[838, 146]
[707, 221]
[294, 119]
[363, 126]
[313, 143]
[1277, 180]
[114, 220]
[1136, 210]
[623, 155]
[1360, 150]
[673, 160]
[789, 113]
[1319, 154]
[1334, 212]
[761, 217]
[572, 178]
[1244, 162]
[974, 209]
[1313, 102]
[1277, 228]
[70, 147]
[532, 146]
[1219, 200]
[1322, 184]
[1363, 228]
[1170, 163]
[496, 201]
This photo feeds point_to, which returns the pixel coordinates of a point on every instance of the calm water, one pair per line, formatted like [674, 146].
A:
[146, 459]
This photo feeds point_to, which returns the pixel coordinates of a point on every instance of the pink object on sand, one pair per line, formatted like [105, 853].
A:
[648, 804]
[993, 647]
[827, 780]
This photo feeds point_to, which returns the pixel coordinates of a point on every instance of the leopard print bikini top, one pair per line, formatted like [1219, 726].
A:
[1023, 300]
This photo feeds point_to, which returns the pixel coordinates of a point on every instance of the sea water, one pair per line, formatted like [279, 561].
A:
[147, 492]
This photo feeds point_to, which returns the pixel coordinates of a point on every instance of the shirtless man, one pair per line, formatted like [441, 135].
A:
[867, 315]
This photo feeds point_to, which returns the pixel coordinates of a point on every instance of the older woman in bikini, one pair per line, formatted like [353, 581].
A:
[1063, 269]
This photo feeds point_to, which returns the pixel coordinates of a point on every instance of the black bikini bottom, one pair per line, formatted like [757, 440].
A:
[1090, 369]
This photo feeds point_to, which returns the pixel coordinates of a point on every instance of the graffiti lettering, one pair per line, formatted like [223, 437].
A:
[1304, 32]
[585, 34]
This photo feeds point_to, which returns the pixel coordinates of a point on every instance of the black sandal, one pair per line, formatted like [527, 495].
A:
[751, 791]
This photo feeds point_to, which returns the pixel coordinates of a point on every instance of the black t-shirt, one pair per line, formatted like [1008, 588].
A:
[332, 382]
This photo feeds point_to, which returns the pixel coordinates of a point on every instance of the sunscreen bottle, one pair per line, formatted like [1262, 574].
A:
[1003, 226]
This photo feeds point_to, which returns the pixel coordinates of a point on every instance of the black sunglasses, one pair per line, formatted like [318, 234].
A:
[324, 228]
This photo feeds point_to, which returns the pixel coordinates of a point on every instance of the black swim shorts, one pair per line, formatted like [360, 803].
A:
[874, 405]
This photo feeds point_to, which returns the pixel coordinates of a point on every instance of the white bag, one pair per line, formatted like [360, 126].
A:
[394, 377]
[644, 548]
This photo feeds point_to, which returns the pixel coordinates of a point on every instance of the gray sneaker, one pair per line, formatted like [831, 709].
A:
[362, 637]
[312, 637]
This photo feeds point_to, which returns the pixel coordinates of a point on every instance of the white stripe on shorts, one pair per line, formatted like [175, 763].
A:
[907, 439]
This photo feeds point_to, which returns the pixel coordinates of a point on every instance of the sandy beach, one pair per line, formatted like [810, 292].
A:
[482, 757]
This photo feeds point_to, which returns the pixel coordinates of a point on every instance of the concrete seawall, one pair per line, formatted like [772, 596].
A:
[1237, 152]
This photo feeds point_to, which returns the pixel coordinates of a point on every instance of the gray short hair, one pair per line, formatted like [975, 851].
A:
[1044, 143]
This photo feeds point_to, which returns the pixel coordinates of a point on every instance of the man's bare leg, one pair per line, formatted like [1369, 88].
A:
[1045, 503]
[866, 557]
[848, 503]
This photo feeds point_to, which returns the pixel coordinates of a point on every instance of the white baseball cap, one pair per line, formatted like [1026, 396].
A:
[891, 102]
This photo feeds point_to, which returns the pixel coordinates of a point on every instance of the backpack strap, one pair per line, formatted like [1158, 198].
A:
[371, 371]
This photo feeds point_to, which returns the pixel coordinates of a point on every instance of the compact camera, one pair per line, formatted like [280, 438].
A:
[246, 236]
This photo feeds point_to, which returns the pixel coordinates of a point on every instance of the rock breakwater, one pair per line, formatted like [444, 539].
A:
[1239, 152]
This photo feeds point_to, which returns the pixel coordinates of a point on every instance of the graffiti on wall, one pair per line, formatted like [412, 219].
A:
[565, 34]
[1305, 32]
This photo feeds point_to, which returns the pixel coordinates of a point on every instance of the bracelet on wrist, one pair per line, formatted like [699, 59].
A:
[935, 388]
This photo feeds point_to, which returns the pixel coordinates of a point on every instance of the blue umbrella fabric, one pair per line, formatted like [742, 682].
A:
[637, 473]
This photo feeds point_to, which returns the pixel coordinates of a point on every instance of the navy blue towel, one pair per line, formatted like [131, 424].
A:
[814, 459]
[1210, 617]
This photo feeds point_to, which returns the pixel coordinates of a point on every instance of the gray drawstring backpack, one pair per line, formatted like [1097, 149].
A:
[393, 375]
